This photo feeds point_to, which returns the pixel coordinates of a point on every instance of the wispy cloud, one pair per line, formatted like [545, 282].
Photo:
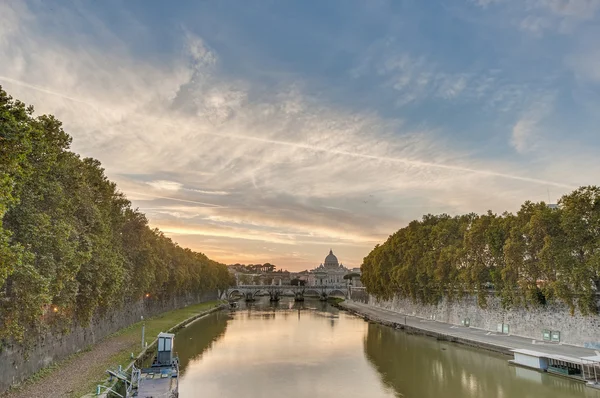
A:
[418, 79]
[414, 78]
[165, 185]
[525, 133]
[249, 171]
[585, 63]
[539, 16]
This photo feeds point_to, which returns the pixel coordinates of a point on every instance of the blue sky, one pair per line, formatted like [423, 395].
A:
[260, 131]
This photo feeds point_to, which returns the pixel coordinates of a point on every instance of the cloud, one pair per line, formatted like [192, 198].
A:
[485, 3]
[414, 78]
[418, 79]
[540, 16]
[585, 9]
[585, 63]
[165, 185]
[526, 132]
[229, 165]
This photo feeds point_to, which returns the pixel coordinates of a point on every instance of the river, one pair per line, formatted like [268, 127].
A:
[313, 350]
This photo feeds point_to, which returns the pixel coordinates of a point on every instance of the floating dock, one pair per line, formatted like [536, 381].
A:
[586, 369]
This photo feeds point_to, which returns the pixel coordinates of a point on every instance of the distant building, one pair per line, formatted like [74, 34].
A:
[301, 276]
[276, 278]
[331, 272]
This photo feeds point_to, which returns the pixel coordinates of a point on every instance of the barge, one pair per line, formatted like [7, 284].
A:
[585, 369]
[160, 380]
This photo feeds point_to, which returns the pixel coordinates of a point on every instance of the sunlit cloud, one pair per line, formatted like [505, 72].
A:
[165, 185]
[247, 170]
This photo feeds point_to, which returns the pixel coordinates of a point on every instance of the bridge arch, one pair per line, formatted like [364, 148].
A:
[337, 292]
[260, 291]
[232, 293]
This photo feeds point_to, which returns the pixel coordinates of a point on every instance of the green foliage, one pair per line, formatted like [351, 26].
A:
[254, 268]
[71, 246]
[538, 255]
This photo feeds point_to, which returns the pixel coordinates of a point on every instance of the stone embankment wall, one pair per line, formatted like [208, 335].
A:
[18, 363]
[526, 322]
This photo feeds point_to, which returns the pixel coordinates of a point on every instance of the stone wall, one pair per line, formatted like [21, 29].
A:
[17, 364]
[359, 294]
[527, 322]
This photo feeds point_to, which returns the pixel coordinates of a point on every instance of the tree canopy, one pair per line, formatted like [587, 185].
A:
[540, 253]
[71, 245]
[254, 268]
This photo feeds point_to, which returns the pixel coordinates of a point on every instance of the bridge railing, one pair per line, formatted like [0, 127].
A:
[291, 287]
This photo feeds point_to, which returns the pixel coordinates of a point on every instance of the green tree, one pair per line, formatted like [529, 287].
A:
[71, 247]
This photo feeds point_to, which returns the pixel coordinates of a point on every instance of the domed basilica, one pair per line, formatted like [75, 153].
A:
[331, 272]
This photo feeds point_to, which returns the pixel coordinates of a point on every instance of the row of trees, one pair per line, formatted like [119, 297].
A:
[71, 245]
[254, 268]
[541, 253]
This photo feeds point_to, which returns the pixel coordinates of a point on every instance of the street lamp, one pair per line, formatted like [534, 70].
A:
[143, 331]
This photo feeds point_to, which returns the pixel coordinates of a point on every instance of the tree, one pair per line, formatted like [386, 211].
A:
[537, 255]
[71, 246]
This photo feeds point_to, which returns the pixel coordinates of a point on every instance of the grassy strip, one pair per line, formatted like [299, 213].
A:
[131, 336]
[334, 300]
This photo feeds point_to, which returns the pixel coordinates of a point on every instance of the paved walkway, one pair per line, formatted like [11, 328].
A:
[499, 342]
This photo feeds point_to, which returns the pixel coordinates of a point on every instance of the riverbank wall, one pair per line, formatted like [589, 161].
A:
[505, 350]
[542, 323]
[18, 362]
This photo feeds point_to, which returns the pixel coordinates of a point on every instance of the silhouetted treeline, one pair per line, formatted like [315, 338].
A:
[254, 268]
[541, 253]
[70, 243]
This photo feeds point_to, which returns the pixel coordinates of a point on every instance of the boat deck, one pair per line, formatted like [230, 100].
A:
[158, 383]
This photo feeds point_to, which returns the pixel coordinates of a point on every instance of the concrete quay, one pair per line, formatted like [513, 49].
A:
[485, 339]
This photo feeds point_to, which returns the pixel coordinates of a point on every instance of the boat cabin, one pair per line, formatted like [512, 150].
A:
[530, 359]
[164, 352]
[584, 368]
[161, 379]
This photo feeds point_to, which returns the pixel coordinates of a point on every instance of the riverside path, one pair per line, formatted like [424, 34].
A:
[467, 335]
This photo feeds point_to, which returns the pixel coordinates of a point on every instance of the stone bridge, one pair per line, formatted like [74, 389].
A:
[275, 291]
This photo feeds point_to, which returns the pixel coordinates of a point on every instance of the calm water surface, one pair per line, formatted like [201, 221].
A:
[313, 350]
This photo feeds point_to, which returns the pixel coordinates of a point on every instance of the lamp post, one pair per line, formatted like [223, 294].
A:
[143, 331]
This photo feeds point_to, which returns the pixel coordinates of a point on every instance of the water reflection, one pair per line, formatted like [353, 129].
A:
[288, 349]
[193, 341]
[311, 349]
[416, 366]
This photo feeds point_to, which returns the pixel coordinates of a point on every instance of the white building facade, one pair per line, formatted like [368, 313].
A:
[331, 272]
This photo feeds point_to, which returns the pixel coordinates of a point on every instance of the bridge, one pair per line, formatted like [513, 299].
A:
[249, 292]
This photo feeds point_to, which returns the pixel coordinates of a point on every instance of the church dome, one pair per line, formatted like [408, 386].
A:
[331, 260]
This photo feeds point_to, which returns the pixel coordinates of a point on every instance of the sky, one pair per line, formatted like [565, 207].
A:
[273, 131]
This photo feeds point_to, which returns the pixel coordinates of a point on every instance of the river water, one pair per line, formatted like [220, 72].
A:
[312, 350]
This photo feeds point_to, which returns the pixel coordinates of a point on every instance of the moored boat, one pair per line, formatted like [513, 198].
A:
[160, 380]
